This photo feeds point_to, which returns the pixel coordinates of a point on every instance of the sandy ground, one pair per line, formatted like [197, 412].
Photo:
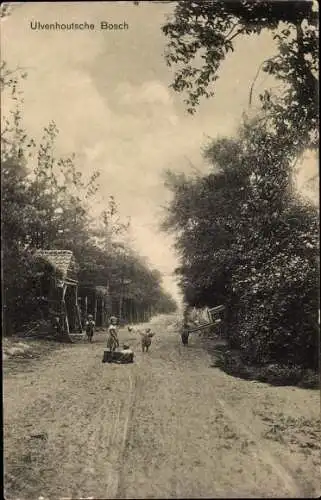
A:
[167, 426]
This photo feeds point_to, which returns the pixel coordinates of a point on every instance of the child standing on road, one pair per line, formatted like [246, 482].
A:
[112, 340]
[90, 326]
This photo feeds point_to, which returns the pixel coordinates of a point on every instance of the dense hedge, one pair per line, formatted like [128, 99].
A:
[246, 239]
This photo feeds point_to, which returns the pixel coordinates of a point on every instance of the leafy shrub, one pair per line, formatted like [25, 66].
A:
[233, 363]
[247, 240]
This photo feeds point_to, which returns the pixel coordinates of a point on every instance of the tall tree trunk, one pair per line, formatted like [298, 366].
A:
[95, 308]
[86, 307]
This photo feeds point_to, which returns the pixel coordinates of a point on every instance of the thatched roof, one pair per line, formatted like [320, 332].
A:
[62, 260]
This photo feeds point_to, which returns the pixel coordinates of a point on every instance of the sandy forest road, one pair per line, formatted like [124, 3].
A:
[168, 426]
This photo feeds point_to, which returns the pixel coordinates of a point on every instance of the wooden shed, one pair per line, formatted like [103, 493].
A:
[63, 293]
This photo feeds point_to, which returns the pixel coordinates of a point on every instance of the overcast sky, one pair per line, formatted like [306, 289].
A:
[109, 94]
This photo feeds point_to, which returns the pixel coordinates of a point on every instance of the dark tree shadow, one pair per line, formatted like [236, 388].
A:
[230, 361]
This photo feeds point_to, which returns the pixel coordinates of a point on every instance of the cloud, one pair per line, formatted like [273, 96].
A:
[122, 129]
[150, 92]
[109, 95]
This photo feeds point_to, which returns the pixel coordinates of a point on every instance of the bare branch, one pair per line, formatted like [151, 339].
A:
[230, 32]
[256, 76]
[238, 32]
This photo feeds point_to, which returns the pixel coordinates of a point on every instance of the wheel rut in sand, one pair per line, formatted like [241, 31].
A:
[167, 426]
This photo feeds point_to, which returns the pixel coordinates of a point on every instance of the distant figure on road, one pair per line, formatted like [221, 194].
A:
[112, 340]
[185, 334]
[146, 339]
[90, 327]
[189, 320]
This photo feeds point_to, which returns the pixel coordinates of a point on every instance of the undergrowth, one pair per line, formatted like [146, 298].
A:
[231, 362]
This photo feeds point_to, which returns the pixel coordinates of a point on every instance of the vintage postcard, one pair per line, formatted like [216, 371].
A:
[160, 249]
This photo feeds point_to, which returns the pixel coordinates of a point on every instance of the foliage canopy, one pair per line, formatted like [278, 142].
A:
[201, 35]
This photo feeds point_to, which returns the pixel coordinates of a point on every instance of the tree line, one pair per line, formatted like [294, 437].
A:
[46, 205]
[246, 237]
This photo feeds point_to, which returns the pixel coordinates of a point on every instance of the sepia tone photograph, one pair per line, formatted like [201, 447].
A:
[160, 249]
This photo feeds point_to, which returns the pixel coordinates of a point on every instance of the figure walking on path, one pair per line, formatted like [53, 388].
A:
[187, 324]
[185, 334]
